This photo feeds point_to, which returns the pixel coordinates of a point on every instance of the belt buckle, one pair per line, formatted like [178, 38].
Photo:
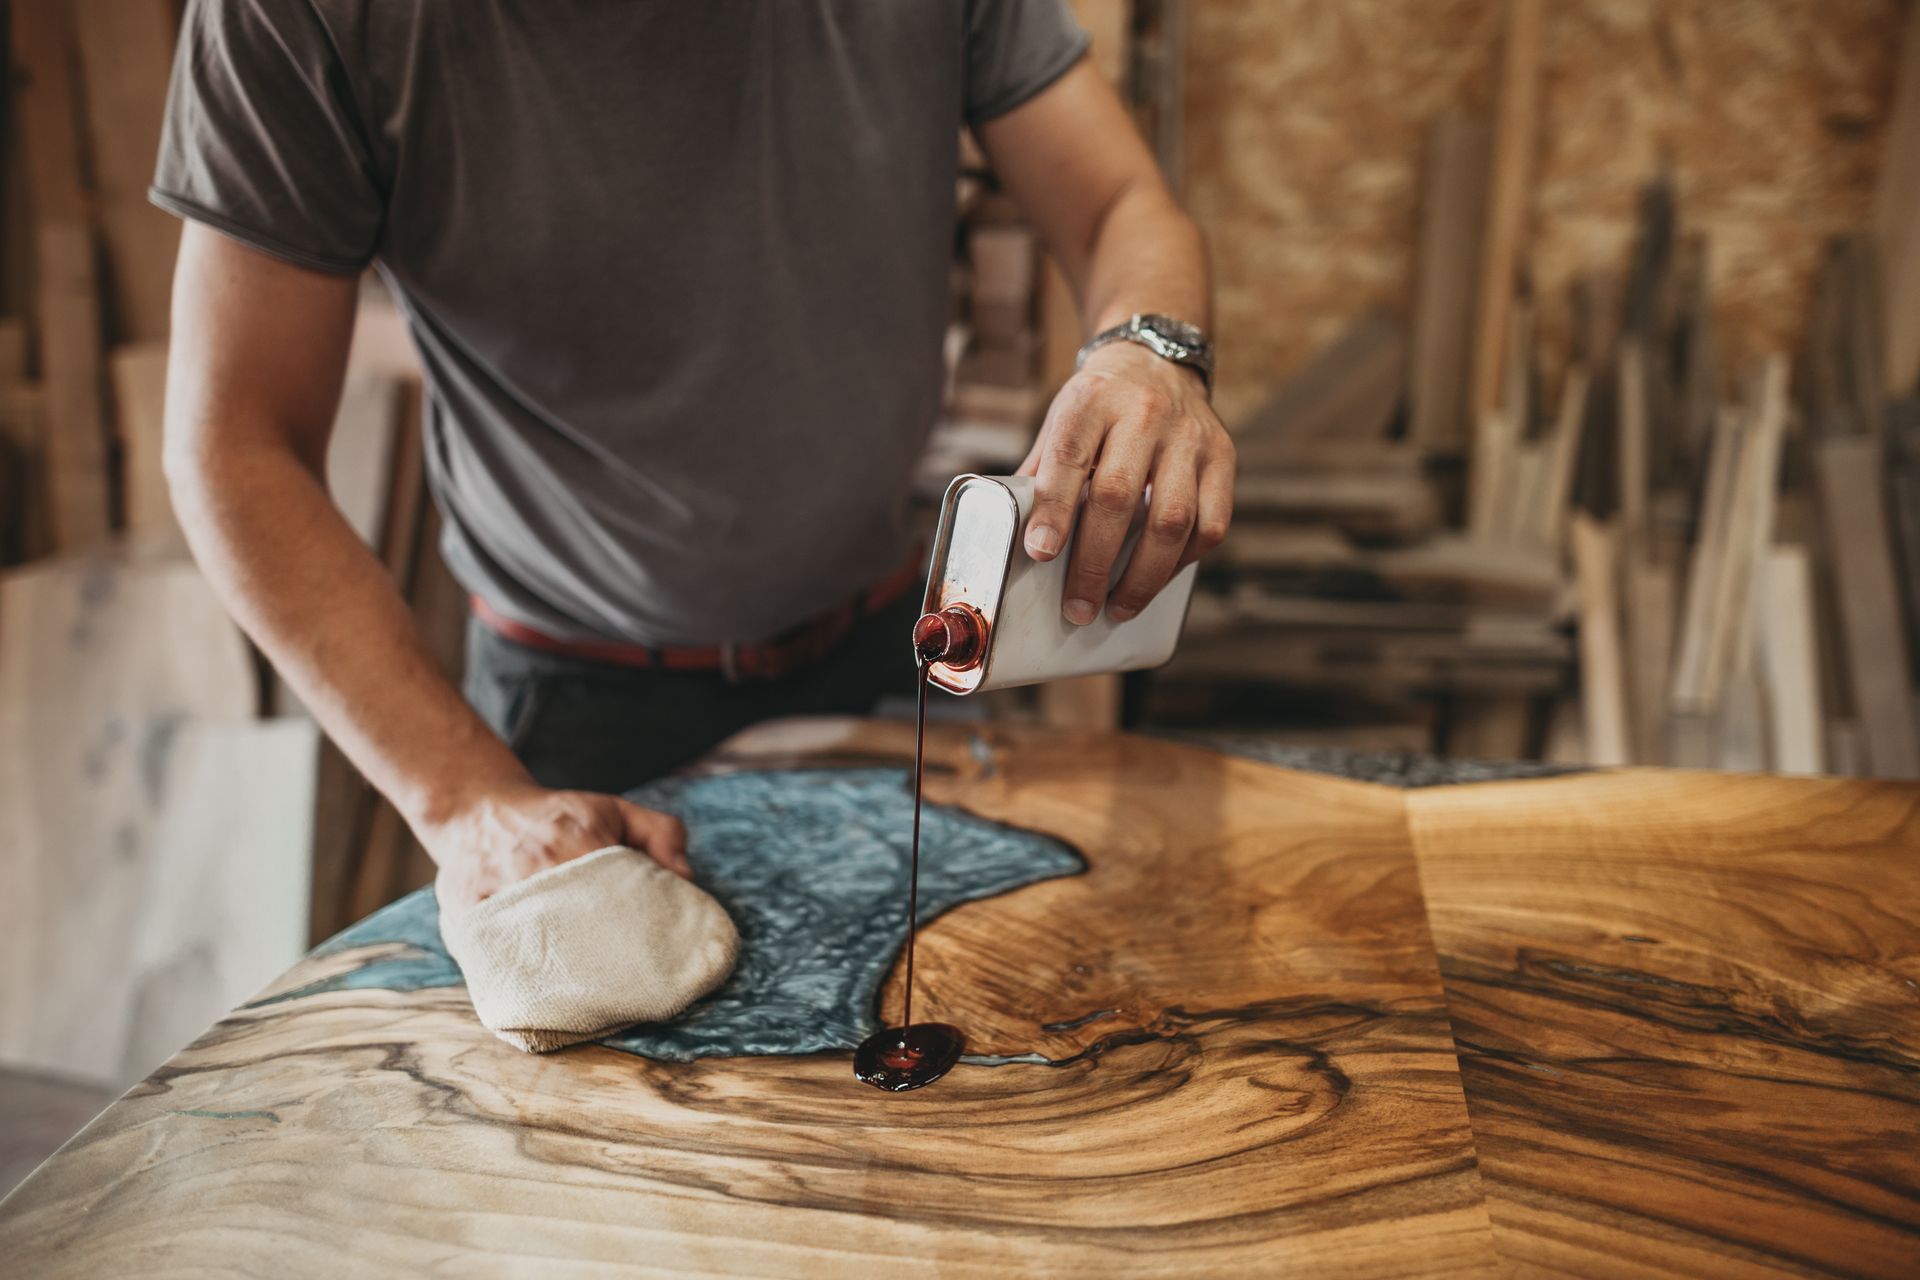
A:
[730, 662]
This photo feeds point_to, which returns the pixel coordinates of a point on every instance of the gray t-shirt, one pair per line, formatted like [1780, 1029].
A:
[678, 271]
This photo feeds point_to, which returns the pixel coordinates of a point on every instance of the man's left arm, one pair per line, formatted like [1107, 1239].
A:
[1129, 422]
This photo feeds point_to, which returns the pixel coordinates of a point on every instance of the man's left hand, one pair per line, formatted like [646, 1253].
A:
[1128, 424]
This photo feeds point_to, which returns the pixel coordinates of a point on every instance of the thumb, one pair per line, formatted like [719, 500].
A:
[661, 836]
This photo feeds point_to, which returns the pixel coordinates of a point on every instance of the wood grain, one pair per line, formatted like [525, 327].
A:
[1687, 1011]
[1239, 1063]
[1688, 1014]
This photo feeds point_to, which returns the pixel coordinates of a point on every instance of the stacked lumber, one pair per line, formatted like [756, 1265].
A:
[84, 502]
[1645, 558]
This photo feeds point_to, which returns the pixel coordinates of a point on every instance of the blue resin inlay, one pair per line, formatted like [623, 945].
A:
[812, 864]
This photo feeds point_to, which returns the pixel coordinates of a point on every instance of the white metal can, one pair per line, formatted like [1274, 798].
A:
[993, 611]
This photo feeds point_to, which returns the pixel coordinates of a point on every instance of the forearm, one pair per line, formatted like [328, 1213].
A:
[1145, 256]
[324, 610]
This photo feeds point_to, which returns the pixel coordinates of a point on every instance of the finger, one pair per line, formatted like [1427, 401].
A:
[1214, 510]
[1030, 465]
[1113, 494]
[1066, 450]
[1169, 526]
[661, 835]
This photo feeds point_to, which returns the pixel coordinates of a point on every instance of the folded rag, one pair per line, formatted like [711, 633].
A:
[583, 949]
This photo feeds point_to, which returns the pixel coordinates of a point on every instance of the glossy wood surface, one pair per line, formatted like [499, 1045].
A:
[1229, 1053]
[1688, 1013]
[1687, 1010]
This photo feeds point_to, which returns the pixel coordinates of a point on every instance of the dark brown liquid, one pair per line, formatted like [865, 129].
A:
[906, 1056]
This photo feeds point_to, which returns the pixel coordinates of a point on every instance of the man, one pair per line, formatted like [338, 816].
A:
[678, 274]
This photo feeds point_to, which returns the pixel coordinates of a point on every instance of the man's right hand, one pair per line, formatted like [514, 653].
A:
[508, 835]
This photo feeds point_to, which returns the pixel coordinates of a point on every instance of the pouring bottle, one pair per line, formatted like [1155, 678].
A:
[991, 616]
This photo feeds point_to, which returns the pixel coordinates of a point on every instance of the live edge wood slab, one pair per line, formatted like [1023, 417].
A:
[1623, 1023]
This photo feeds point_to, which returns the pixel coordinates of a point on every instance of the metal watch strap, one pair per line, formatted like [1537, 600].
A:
[1166, 337]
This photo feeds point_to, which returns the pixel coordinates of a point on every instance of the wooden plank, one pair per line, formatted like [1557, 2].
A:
[1853, 513]
[1388, 505]
[103, 660]
[1652, 591]
[223, 901]
[1750, 520]
[1492, 478]
[126, 55]
[1549, 508]
[1347, 393]
[1692, 691]
[1484, 728]
[1633, 441]
[49, 107]
[79, 487]
[139, 376]
[1603, 687]
[1739, 725]
[1896, 225]
[1367, 1168]
[1674, 997]
[1085, 702]
[1790, 662]
[1508, 197]
[1452, 219]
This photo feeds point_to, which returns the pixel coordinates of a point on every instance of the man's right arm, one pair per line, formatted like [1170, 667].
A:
[258, 356]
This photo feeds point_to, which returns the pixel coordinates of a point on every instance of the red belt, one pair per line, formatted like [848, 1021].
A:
[801, 646]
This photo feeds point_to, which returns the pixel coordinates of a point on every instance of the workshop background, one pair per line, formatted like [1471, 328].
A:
[1573, 351]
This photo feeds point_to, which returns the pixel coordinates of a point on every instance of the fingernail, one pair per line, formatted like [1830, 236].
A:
[1120, 612]
[1079, 612]
[1042, 541]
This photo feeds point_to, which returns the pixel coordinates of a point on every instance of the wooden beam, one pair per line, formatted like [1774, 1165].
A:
[1750, 520]
[79, 486]
[1896, 224]
[126, 54]
[1452, 221]
[1789, 661]
[1852, 510]
[1633, 442]
[1555, 495]
[1507, 201]
[139, 376]
[49, 106]
[1652, 587]
[1603, 688]
[1347, 391]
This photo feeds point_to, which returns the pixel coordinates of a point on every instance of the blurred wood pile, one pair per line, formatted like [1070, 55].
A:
[1654, 559]
[131, 704]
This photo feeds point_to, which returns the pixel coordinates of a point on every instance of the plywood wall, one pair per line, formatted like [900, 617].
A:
[1305, 122]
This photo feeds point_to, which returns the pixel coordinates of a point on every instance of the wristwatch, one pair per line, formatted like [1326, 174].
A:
[1170, 339]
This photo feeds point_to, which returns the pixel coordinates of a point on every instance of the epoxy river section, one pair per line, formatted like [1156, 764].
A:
[812, 864]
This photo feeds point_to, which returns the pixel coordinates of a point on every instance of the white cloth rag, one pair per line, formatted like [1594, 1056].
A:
[585, 948]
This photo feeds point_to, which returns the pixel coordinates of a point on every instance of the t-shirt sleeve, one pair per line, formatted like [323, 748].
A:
[262, 139]
[1016, 48]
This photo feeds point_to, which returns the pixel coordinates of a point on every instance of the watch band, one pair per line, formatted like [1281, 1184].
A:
[1166, 337]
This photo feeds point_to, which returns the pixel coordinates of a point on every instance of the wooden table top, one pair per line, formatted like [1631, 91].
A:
[1640, 1022]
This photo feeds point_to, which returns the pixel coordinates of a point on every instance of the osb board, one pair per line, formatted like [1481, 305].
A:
[1305, 124]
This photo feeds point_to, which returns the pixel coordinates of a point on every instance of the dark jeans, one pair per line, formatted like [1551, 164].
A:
[594, 726]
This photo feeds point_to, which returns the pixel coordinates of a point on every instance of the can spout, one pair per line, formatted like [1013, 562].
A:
[955, 637]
